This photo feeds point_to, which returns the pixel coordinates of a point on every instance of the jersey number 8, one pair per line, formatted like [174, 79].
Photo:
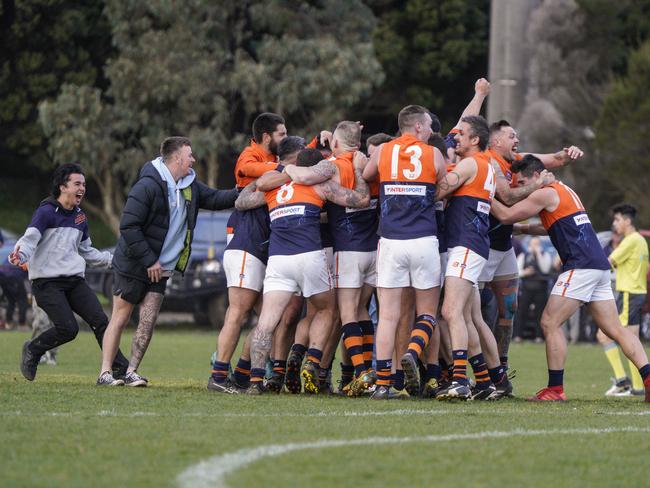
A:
[284, 193]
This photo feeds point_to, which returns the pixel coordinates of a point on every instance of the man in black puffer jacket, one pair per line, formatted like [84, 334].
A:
[156, 231]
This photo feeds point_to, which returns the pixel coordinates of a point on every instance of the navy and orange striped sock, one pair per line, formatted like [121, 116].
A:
[498, 374]
[398, 379]
[299, 349]
[353, 342]
[368, 331]
[347, 373]
[433, 371]
[556, 379]
[460, 366]
[242, 372]
[220, 371]
[279, 366]
[644, 371]
[420, 335]
[257, 375]
[480, 370]
[383, 372]
[314, 355]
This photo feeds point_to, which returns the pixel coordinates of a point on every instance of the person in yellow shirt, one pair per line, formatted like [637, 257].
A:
[630, 258]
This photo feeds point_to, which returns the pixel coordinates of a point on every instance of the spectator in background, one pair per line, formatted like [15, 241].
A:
[12, 281]
[630, 258]
[534, 267]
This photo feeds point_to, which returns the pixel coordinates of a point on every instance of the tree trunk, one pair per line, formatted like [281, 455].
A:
[106, 184]
[213, 170]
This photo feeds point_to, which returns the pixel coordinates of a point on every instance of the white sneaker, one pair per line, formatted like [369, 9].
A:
[619, 388]
[106, 379]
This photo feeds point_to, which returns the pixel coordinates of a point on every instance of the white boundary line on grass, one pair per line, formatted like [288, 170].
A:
[212, 472]
[350, 413]
[321, 414]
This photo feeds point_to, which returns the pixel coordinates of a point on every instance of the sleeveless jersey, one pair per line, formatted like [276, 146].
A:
[501, 234]
[407, 186]
[294, 211]
[468, 210]
[250, 228]
[352, 229]
[571, 232]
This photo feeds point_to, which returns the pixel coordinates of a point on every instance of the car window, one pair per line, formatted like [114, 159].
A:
[211, 226]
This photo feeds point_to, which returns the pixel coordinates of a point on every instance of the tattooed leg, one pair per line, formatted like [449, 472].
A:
[273, 307]
[260, 347]
[149, 309]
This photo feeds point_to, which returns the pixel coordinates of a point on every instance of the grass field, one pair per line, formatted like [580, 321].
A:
[61, 430]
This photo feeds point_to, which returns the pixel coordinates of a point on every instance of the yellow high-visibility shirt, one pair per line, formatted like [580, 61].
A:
[631, 261]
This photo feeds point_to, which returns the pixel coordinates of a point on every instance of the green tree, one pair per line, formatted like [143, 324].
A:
[45, 43]
[574, 48]
[205, 69]
[430, 52]
[623, 135]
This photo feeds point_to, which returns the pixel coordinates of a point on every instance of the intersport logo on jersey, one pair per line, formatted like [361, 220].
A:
[287, 211]
[581, 219]
[408, 190]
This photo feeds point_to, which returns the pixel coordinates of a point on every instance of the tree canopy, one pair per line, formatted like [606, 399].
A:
[205, 70]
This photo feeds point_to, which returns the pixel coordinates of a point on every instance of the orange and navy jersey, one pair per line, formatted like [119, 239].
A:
[252, 163]
[294, 211]
[407, 187]
[571, 232]
[250, 228]
[468, 210]
[352, 229]
[501, 234]
[253, 232]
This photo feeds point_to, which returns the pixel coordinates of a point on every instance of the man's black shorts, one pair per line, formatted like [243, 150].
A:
[132, 290]
[630, 307]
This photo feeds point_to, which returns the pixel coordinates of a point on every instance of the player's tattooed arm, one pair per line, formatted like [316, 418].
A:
[250, 198]
[464, 171]
[260, 347]
[448, 184]
[509, 195]
[357, 198]
[312, 175]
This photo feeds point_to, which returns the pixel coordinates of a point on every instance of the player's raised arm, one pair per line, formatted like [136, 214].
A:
[559, 158]
[481, 91]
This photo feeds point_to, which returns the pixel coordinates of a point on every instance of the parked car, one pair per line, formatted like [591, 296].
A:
[202, 289]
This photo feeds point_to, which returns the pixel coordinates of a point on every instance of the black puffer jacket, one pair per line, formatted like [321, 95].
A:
[145, 220]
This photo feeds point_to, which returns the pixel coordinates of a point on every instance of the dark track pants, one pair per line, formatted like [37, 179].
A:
[59, 298]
